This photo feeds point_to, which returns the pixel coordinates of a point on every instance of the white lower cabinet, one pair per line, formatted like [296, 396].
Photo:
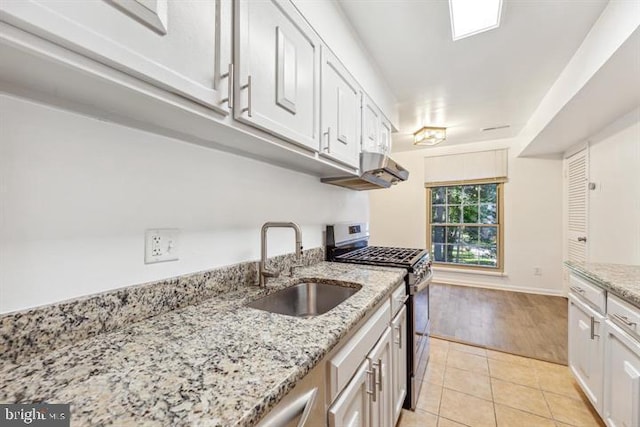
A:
[367, 376]
[586, 349]
[352, 407]
[622, 378]
[366, 401]
[381, 368]
[399, 378]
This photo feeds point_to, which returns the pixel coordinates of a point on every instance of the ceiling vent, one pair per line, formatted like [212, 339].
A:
[495, 128]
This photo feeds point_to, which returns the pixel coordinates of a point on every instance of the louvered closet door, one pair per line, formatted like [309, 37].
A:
[577, 167]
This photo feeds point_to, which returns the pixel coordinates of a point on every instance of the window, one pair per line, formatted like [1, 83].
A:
[464, 225]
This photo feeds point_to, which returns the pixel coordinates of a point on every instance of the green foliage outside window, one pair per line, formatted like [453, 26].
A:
[464, 224]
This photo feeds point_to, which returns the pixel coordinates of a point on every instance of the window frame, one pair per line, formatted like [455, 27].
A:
[499, 268]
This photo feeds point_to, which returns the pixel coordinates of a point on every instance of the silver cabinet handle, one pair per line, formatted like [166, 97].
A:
[399, 340]
[248, 87]
[593, 328]
[229, 76]
[582, 239]
[624, 319]
[327, 148]
[374, 391]
[380, 374]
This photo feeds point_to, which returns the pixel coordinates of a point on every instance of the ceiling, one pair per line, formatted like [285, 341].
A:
[495, 78]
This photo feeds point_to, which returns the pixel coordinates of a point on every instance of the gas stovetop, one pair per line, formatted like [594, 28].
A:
[384, 256]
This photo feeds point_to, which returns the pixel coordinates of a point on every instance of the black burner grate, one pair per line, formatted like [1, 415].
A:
[379, 255]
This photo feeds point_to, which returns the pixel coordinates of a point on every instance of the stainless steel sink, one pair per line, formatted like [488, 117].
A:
[306, 299]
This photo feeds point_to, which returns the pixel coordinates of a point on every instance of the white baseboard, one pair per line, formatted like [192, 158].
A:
[527, 290]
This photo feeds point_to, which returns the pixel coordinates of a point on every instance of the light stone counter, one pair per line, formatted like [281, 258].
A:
[620, 280]
[215, 363]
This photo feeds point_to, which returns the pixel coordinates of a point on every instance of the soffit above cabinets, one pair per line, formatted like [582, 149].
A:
[492, 79]
[610, 93]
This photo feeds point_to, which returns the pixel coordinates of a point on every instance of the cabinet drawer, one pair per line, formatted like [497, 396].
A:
[398, 298]
[592, 293]
[345, 363]
[623, 314]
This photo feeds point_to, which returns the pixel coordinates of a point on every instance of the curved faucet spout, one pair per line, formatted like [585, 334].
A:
[264, 271]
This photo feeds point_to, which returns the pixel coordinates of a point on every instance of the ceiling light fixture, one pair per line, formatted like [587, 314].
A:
[470, 17]
[429, 135]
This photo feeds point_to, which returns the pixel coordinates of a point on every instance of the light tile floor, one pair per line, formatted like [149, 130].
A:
[471, 386]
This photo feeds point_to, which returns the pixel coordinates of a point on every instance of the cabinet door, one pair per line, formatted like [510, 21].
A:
[340, 118]
[371, 118]
[176, 46]
[586, 349]
[278, 67]
[399, 362]
[622, 379]
[351, 409]
[380, 362]
[385, 137]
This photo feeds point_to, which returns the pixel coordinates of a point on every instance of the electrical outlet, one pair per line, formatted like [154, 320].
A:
[161, 245]
[537, 271]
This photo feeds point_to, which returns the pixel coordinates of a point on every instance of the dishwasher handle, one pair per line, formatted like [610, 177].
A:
[300, 407]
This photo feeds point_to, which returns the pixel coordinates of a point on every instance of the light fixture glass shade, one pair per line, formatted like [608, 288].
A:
[429, 135]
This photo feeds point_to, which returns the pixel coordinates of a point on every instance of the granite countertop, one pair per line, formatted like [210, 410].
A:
[216, 363]
[621, 280]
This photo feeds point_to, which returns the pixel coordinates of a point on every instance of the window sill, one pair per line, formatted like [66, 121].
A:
[470, 271]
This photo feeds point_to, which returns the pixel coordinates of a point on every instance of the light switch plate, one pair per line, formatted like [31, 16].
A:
[161, 245]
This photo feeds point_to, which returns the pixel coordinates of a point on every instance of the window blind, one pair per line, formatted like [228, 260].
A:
[459, 168]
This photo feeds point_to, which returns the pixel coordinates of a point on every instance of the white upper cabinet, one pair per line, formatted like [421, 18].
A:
[384, 145]
[371, 119]
[376, 128]
[180, 46]
[278, 61]
[340, 118]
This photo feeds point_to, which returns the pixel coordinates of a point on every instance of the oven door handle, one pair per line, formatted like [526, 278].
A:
[421, 285]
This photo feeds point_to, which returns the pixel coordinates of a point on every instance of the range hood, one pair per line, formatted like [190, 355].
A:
[376, 171]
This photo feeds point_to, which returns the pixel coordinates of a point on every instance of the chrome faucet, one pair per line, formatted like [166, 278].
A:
[264, 271]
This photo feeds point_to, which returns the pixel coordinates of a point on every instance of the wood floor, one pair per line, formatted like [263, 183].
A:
[524, 324]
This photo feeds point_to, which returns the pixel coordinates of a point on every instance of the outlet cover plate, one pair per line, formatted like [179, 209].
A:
[161, 245]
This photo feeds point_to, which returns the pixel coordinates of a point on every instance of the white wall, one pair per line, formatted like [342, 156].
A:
[615, 25]
[532, 225]
[614, 206]
[76, 195]
[329, 21]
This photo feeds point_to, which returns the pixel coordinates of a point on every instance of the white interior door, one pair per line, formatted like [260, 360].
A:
[577, 183]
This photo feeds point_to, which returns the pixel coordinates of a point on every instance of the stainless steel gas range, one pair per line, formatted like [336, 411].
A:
[349, 242]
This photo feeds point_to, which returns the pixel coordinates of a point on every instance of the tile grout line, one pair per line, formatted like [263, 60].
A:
[529, 367]
[493, 398]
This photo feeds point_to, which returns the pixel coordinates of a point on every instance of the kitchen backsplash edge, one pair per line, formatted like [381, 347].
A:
[53, 326]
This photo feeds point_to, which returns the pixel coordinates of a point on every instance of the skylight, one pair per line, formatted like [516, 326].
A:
[470, 17]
